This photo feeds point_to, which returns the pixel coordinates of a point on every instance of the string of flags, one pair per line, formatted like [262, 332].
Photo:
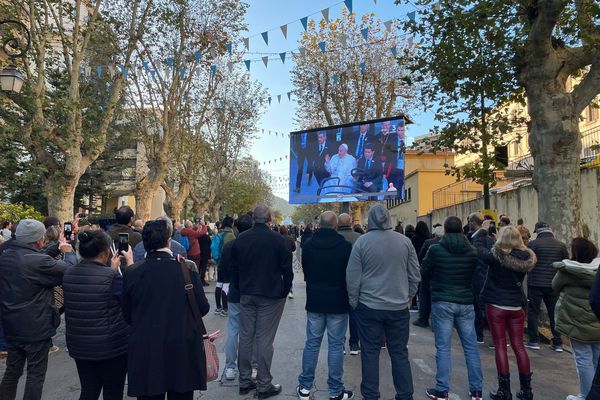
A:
[279, 159]
[271, 133]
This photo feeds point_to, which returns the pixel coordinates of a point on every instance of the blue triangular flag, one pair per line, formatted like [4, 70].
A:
[304, 22]
[289, 94]
[153, 73]
[363, 67]
[247, 62]
[311, 87]
[145, 65]
[412, 15]
[335, 79]
[229, 48]
[251, 103]
[365, 33]
[282, 55]
[348, 4]
[394, 51]
[269, 100]
[182, 73]
[213, 69]
[197, 54]
[99, 71]
[124, 71]
[170, 62]
[222, 103]
[322, 46]
[265, 36]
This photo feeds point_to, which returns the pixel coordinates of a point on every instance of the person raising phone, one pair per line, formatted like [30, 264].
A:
[92, 295]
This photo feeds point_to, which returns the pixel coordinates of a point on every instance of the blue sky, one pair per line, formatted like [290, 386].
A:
[265, 15]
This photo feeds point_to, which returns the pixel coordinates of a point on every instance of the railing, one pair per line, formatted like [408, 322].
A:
[455, 193]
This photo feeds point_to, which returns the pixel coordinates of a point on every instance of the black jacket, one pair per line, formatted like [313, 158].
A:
[225, 265]
[548, 250]
[305, 238]
[504, 283]
[324, 261]
[595, 296]
[27, 280]
[425, 248]
[483, 243]
[165, 347]
[418, 241]
[96, 329]
[261, 264]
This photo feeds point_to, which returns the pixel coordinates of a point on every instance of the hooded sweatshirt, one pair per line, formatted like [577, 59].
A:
[574, 315]
[383, 270]
[451, 266]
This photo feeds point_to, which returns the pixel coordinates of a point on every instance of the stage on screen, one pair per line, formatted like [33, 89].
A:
[354, 162]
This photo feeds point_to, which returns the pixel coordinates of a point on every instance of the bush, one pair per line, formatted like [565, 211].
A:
[17, 211]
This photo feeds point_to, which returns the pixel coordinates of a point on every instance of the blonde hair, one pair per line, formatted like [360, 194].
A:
[509, 238]
[52, 234]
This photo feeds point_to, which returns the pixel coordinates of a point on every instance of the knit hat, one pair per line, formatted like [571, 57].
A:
[29, 231]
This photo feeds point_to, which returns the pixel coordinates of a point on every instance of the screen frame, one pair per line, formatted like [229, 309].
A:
[407, 121]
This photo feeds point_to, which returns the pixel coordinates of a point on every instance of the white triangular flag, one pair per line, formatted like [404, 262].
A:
[302, 51]
[325, 13]
[388, 25]
[265, 60]
[88, 71]
[410, 41]
[284, 30]
[247, 43]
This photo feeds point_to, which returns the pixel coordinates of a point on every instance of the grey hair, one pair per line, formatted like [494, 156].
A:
[344, 145]
[438, 231]
[262, 214]
[328, 220]
[169, 223]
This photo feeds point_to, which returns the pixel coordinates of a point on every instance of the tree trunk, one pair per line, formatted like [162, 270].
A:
[61, 198]
[216, 210]
[144, 194]
[555, 142]
[177, 201]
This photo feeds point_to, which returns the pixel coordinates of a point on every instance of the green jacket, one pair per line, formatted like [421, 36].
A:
[574, 316]
[450, 264]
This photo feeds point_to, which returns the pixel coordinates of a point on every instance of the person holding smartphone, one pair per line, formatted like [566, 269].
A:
[194, 232]
[92, 295]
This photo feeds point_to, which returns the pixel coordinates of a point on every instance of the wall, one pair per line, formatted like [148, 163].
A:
[522, 203]
[430, 181]
[407, 211]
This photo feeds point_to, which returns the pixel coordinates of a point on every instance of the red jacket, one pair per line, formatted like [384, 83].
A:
[193, 234]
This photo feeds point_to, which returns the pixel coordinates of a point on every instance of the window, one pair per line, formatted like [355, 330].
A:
[515, 148]
[592, 113]
[409, 195]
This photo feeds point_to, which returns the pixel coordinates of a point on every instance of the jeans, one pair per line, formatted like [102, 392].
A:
[501, 321]
[594, 393]
[586, 357]
[372, 324]
[536, 294]
[353, 340]
[107, 376]
[36, 356]
[336, 325]
[233, 333]
[445, 316]
[170, 396]
[424, 299]
[479, 310]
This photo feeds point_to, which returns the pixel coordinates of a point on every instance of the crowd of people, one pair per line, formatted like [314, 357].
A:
[119, 301]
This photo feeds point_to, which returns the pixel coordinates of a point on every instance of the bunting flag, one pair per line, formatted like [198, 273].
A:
[412, 16]
[302, 51]
[145, 65]
[375, 1]
[265, 60]
[170, 62]
[325, 13]
[284, 30]
[311, 87]
[363, 67]
[230, 66]
[213, 69]
[265, 36]
[365, 33]
[282, 56]
[388, 25]
[289, 95]
[124, 71]
[322, 46]
[247, 62]
[279, 98]
[269, 100]
[197, 54]
[348, 4]
[304, 22]
[182, 73]
[247, 43]
[229, 47]
[153, 73]
[335, 79]
[410, 41]
[99, 71]
[394, 51]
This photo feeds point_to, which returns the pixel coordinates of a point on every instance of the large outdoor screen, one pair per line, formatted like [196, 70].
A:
[354, 162]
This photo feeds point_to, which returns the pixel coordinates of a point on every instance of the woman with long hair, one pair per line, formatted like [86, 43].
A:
[96, 332]
[574, 316]
[509, 261]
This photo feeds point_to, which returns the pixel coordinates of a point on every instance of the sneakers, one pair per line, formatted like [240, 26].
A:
[274, 390]
[229, 374]
[303, 394]
[420, 323]
[435, 395]
[247, 389]
[345, 395]
[533, 345]
[575, 397]
[223, 313]
[557, 348]
[476, 395]
[53, 349]
[254, 374]
[218, 311]
[290, 295]
[3, 354]
[354, 350]
[480, 340]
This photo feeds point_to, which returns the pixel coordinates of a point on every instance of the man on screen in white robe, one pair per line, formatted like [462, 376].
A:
[341, 166]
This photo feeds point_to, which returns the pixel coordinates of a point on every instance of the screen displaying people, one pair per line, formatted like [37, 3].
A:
[363, 161]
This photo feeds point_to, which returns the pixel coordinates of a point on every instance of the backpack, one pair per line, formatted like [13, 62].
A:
[217, 245]
[185, 242]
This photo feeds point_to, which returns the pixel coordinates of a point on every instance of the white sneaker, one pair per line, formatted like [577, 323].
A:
[229, 374]
[254, 374]
[302, 393]
[575, 397]
[290, 295]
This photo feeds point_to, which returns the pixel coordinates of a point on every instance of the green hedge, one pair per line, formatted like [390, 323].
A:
[18, 211]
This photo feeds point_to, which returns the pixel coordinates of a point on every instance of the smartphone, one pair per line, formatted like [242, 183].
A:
[82, 215]
[68, 230]
[493, 227]
[123, 242]
[197, 220]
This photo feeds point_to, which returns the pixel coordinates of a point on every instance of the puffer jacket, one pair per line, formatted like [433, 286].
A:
[548, 250]
[482, 241]
[574, 315]
[450, 266]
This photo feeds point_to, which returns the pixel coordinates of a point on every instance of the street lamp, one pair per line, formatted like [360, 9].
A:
[11, 80]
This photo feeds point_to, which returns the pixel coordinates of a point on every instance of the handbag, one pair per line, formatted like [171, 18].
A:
[210, 350]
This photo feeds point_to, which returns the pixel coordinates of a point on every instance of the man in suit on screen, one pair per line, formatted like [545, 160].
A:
[356, 143]
[320, 153]
[371, 170]
[302, 149]
[398, 148]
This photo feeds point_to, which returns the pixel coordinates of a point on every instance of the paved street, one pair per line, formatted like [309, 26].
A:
[554, 373]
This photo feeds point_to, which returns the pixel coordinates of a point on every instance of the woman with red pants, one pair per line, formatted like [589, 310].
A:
[509, 261]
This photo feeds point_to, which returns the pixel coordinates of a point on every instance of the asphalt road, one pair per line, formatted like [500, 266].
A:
[554, 373]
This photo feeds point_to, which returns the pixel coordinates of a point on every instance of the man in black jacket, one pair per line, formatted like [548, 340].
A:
[539, 284]
[483, 242]
[261, 267]
[594, 392]
[29, 317]
[425, 289]
[324, 261]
